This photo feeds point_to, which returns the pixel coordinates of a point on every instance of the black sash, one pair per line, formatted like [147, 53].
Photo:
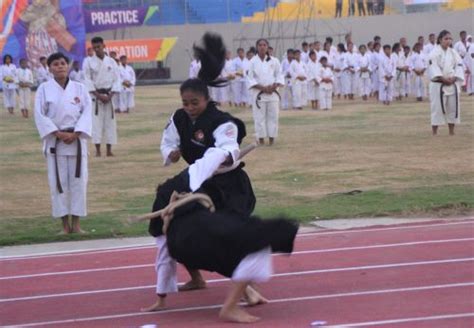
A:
[78, 159]
[102, 92]
[441, 95]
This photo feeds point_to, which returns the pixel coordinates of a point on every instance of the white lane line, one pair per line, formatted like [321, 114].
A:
[403, 320]
[282, 300]
[151, 245]
[286, 274]
[427, 225]
[328, 250]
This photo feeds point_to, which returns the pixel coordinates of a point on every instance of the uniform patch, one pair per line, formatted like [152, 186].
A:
[230, 132]
[431, 62]
[199, 135]
[76, 101]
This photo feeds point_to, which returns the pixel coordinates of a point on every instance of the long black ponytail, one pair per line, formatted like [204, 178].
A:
[211, 53]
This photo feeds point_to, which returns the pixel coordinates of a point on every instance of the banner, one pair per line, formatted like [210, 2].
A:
[106, 19]
[141, 50]
[32, 29]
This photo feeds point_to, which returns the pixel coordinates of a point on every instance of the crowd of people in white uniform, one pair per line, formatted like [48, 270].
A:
[321, 71]
[19, 81]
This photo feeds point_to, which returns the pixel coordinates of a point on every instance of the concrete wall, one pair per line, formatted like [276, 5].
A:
[283, 35]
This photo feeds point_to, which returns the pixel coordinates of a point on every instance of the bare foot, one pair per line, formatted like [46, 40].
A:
[63, 232]
[110, 154]
[98, 154]
[192, 285]
[237, 315]
[253, 298]
[158, 306]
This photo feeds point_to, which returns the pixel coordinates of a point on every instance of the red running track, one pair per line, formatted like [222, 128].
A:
[417, 275]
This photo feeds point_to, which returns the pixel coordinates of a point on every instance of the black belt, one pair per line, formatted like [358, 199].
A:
[441, 95]
[78, 159]
[259, 96]
[102, 92]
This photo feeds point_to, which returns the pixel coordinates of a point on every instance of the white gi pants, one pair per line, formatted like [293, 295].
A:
[325, 98]
[115, 101]
[9, 98]
[25, 98]
[405, 84]
[447, 110]
[255, 267]
[127, 100]
[298, 88]
[73, 200]
[104, 127]
[375, 81]
[313, 91]
[286, 96]
[470, 84]
[365, 86]
[419, 86]
[266, 118]
[338, 88]
[240, 91]
[349, 83]
[386, 90]
[165, 267]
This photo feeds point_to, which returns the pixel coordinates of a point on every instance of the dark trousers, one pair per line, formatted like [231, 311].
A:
[338, 9]
[370, 8]
[361, 8]
[351, 11]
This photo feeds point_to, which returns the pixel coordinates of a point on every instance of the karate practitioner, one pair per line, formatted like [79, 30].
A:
[285, 71]
[127, 94]
[325, 78]
[446, 76]
[264, 78]
[387, 71]
[374, 65]
[349, 69]
[299, 83]
[42, 72]
[338, 68]
[418, 66]
[77, 74]
[103, 81]
[363, 65]
[8, 75]
[313, 71]
[227, 241]
[239, 85]
[63, 118]
[25, 82]
[469, 63]
[462, 45]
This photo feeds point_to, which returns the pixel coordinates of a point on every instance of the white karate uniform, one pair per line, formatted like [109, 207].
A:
[194, 69]
[427, 48]
[239, 84]
[418, 62]
[43, 74]
[349, 74]
[127, 94]
[404, 77]
[387, 68]
[299, 88]
[325, 89]
[461, 48]
[374, 65]
[77, 76]
[265, 107]
[26, 76]
[304, 56]
[103, 74]
[365, 82]
[444, 99]
[224, 94]
[58, 109]
[338, 74]
[396, 87]
[286, 100]
[9, 72]
[469, 63]
[313, 71]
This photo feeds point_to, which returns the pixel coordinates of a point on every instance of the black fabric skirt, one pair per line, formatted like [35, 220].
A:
[219, 241]
[231, 192]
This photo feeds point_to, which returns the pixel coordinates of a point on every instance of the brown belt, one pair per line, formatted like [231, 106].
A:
[78, 160]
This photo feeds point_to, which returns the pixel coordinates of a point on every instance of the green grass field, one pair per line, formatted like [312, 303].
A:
[386, 152]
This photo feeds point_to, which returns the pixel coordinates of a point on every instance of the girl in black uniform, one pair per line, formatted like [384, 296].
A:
[228, 241]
